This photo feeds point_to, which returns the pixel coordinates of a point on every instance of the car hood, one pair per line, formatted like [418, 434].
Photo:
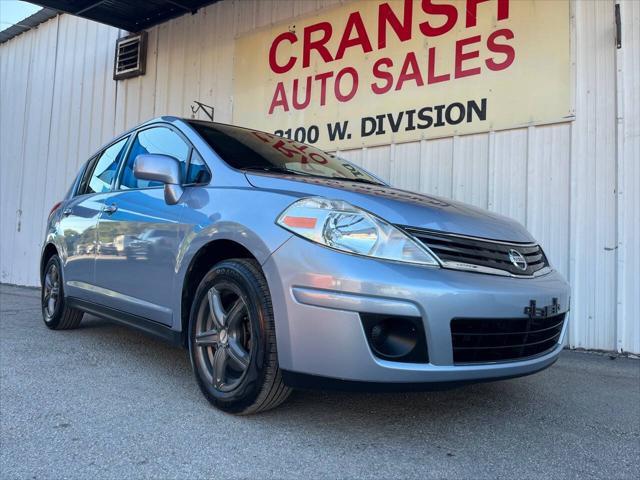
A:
[400, 207]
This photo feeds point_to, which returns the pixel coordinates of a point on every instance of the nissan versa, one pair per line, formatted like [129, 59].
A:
[279, 265]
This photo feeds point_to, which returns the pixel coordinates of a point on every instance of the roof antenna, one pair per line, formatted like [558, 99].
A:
[197, 106]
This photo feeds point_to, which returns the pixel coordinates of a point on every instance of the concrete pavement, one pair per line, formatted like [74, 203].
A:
[104, 401]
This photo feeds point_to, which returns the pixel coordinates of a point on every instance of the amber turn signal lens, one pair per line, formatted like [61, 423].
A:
[300, 222]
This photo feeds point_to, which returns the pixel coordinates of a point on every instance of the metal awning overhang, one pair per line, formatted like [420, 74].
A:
[128, 15]
[27, 24]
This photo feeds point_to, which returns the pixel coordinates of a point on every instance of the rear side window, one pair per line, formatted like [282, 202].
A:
[104, 170]
[160, 140]
[86, 175]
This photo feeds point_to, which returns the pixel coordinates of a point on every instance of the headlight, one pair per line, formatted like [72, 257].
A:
[342, 226]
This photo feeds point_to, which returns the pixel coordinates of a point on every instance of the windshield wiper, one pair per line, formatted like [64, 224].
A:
[359, 180]
[274, 169]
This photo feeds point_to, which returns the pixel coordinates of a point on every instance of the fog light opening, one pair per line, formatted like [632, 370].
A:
[395, 338]
[392, 340]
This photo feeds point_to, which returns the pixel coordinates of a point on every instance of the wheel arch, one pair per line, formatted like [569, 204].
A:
[206, 257]
[48, 251]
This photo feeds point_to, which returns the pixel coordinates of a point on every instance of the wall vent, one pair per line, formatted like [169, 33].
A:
[131, 56]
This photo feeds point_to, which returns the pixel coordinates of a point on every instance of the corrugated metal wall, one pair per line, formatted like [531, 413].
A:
[57, 102]
[628, 113]
[574, 185]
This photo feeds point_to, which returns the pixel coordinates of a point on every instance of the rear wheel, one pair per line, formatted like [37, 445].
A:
[55, 313]
[232, 342]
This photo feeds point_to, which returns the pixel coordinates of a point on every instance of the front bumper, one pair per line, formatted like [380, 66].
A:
[318, 294]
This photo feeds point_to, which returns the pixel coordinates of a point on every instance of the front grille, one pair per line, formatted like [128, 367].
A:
[464, 253]
[481, 340]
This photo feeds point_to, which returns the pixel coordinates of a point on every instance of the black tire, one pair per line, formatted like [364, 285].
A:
[57, 315]
[244, 335]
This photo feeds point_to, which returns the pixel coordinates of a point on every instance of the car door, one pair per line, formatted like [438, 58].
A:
[79, 221]
[138, 233]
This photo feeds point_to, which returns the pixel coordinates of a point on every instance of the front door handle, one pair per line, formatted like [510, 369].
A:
[67, 211]
[109, 209]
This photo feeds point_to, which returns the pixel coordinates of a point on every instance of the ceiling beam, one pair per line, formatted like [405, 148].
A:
[87, 8]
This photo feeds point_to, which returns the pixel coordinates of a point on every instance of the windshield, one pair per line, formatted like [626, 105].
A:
[246, 149]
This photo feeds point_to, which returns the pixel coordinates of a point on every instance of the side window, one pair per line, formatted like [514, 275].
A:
[105, 168]
[198, 172]
[160, 140]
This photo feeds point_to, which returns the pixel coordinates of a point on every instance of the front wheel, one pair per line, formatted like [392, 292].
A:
[232, 340]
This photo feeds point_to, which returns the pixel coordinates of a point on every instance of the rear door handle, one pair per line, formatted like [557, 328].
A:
[67, 211]
[109, 209]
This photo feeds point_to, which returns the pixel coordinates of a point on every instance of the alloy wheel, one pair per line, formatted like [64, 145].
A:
[223, 337]
[51, 294]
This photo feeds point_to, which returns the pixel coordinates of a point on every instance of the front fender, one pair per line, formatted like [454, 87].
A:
[213, 214]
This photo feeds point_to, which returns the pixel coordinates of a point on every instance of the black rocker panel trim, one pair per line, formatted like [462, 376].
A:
[143, 324]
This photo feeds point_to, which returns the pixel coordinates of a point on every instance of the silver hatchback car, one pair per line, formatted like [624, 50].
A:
[281, 266]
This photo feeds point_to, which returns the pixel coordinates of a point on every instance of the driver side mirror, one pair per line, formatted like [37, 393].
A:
[160, 168]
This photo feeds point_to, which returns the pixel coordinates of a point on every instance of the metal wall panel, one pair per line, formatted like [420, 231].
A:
[628, 279]
[58, 105]
[592, 186]
[574, 185]
[15, 92]
[507, 168]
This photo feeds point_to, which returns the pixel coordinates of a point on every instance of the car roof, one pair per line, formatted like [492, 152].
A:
[166, 119]
[162, 119]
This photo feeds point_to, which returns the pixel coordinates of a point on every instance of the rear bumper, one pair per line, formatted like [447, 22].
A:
[318, 295]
